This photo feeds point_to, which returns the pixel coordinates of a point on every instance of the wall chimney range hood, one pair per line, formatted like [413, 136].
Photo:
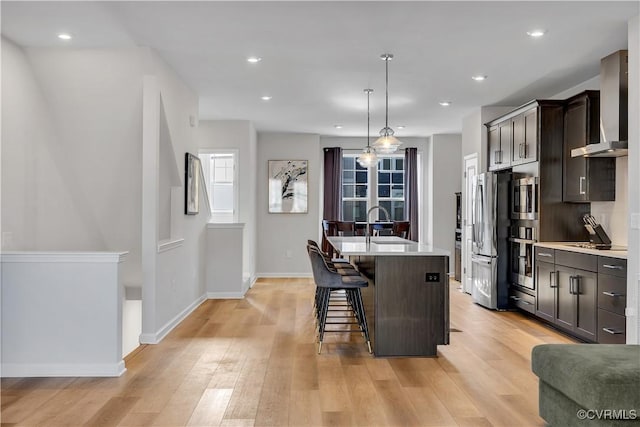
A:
[613, 109]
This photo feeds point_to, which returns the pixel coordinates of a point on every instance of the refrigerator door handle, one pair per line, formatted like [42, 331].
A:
[483, 219]
[481, 260]
[475, 215]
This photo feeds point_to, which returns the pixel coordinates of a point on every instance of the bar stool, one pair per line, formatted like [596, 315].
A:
[327, 281]
[340, 261]
[337, 298]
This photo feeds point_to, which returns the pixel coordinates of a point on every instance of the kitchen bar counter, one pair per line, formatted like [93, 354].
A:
[615, 252]
[407, 300]
[383, 245]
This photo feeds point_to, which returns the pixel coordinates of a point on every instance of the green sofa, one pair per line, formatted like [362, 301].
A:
[588, 384]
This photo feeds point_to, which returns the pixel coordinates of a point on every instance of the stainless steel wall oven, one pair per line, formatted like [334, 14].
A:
[523, 230]
[521, 261]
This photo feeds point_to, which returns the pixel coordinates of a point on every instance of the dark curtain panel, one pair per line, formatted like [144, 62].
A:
[411, 191]
[332, 209]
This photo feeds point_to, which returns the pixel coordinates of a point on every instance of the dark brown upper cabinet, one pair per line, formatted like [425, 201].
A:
[525, 137]
[586, 179]
[500, 140]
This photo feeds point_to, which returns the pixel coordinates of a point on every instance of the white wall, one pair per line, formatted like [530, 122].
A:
[613, 215]
[71, 172]
[282, 238]
[238, 135]
[176, 276]
[443, 178]
[633, 262]
[70, 178]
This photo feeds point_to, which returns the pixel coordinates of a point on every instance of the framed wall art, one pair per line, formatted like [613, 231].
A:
[192, 168]
[288, 185]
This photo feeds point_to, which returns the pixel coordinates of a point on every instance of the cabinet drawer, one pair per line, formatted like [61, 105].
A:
[577, 260]
[523, 301]
[612, 293]
[545, 255]
[613, 266]
[611, 328]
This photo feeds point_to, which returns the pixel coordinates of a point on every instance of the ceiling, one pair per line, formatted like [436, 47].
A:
[317, 57]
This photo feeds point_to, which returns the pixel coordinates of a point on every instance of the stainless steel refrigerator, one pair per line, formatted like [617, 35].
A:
[490, 222]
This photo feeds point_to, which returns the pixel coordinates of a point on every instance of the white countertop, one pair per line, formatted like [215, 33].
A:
[616, 252]
[383, 246]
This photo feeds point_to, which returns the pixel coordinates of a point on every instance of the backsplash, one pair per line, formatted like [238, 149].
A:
[613, 215]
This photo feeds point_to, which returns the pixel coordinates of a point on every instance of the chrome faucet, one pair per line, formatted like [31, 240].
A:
[367, 233]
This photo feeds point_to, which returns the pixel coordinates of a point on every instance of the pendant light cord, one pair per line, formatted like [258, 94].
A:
[386, 102]
[368, 95]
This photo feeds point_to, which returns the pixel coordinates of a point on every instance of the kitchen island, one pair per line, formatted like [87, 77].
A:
[407, 300]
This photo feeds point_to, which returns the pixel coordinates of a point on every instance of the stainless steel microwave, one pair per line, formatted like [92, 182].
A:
[524, 198]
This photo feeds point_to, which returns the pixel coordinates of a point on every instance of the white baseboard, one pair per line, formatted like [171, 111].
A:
[12, 370]
[283, 275]
[225, 295]
[249, 282]
[168, 327]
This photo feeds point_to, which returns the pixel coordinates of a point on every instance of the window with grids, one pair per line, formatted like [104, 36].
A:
[221, 183]
[219, 168]
[387, 178]
[391, 186]
[355, 189]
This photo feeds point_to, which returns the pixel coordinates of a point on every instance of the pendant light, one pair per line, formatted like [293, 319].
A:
[368, 156]
[387, 143]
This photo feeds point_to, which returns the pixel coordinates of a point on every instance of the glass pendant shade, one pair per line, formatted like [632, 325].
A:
[368, 157]
[387, 143]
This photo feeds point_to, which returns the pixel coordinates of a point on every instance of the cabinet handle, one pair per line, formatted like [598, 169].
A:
[582, 181]
[612, 267]
[574, 285]
[544, 254]
[571, 285]
[526, 302]
[612, 294]
[520, 150]
[515, 298]
[612, 331]
[497, 157]
[552, 279]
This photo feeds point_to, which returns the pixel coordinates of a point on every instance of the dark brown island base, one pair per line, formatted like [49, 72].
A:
[407, 300]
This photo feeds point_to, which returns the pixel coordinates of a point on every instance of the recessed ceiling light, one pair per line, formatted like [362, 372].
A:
[536, 33]
[400, 127]
[479, 78]
[265, 98]
[254, 59]
[64, 36]
[337, 126]
[445, 103]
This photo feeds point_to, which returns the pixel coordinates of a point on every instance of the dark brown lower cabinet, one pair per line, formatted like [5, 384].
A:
[577, 301]
[585, 292]
[567, 295]
[566, 308]
[545, 283]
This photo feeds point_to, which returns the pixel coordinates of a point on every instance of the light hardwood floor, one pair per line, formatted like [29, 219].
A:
[253, 362]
